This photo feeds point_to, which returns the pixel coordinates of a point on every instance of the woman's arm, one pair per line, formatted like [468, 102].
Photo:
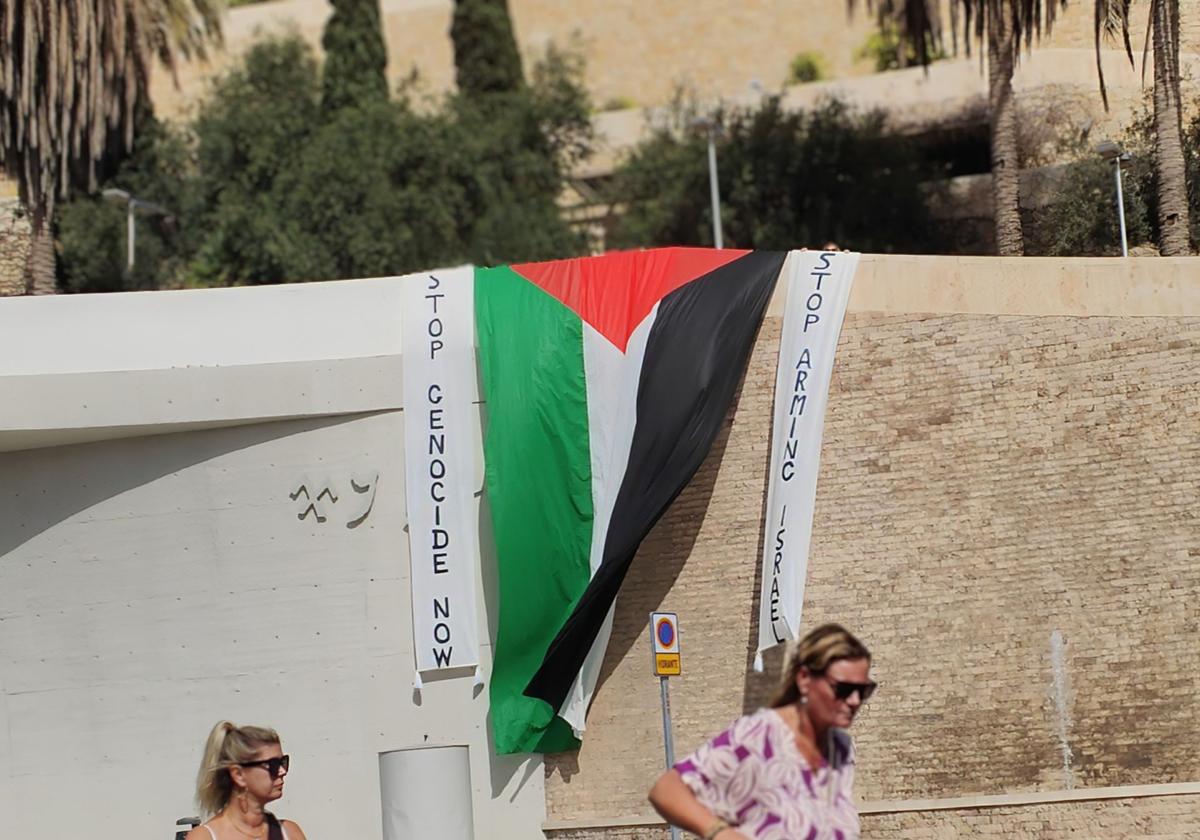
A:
[677, 804]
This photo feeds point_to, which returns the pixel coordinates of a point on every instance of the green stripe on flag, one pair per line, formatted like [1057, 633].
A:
[538, 478]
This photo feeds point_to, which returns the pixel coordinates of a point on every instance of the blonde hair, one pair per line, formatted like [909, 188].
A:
[817, 651]
[227, 746]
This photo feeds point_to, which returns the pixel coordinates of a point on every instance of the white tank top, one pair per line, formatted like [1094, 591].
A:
[213, 834]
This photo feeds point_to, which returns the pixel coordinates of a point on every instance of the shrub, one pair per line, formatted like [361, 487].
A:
[787, 179]
[806, 67]
[886, 50]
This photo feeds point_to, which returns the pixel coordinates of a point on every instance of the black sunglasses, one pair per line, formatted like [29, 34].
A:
[843, 690]
[273, 765]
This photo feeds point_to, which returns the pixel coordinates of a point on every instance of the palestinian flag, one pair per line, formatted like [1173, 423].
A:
[606, 380]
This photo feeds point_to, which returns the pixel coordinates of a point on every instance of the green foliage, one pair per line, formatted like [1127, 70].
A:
[888, 50]
[92, 232]
[521, 145]
[378, 190]
[253, 128]
[1083, 219]
[267, 187]
[618, 103]
[807, 66]
[355, 55]
[1191, 156]
[486, 59]
[787, 178]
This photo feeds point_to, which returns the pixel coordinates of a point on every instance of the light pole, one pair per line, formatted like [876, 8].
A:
[1111, 151]
[710, 128]
[133, 204]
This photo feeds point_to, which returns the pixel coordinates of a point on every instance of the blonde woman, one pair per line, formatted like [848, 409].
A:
[785, 772]
[242, 770]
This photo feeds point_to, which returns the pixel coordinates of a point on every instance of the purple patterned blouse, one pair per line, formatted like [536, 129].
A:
[754, 777]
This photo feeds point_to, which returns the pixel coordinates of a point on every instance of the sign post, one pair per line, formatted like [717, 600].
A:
[664, 640]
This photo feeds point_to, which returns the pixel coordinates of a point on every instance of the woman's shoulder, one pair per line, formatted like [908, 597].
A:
[748, 726]
[843, 747]
[200, 832]
[292, 830]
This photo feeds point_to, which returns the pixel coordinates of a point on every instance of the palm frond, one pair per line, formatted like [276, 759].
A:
[920, 21]
[72, 73]
[1111, 21]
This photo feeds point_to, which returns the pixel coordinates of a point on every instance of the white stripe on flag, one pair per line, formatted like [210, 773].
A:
[612, 387]
[818, 288]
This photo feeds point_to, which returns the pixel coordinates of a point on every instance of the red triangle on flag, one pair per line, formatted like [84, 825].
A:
[616, 291]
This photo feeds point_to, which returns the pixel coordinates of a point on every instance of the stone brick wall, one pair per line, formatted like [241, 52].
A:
[638, 52]
[14, 246]
[1160, 817]
[986, 481]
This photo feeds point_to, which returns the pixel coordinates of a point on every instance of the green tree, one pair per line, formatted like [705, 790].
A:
[1001, 27]
[1171, 182]
[355, 70]
[1083, 221]
[377, 190]
[486, 59]
[787, 178]
[379, 187]
[523, 145]
[251, 130]
[74, 74]
[92, 232]
[268, 187]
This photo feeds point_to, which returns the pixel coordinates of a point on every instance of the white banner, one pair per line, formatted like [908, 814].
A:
[818, 288]
[441, 437]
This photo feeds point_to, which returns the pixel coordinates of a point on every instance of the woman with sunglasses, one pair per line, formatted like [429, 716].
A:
[785, 772]
[242, 770]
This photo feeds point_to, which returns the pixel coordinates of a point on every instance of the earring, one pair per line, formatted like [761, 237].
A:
[803, 699]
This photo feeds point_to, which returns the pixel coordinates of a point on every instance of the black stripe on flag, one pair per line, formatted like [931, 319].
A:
[695, 355]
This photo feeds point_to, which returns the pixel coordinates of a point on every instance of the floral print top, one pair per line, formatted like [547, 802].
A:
[755, 778]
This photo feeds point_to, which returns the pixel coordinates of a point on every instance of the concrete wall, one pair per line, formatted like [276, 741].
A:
[1011, 452]
[153, 583]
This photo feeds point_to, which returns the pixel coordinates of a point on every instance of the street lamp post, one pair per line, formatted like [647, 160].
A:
[1111, 151]
[711, 128]
[133, 205]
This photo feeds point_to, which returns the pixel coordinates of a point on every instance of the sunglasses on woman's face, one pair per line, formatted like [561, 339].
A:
[274, 765]
[843, 690]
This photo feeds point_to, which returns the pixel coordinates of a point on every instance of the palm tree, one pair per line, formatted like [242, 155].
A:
[1112, 21]
[72, 75]
[1003, 26]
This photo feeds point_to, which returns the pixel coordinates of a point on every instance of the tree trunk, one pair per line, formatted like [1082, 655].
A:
[1173, 222]
[1006, 173]
[39, 268]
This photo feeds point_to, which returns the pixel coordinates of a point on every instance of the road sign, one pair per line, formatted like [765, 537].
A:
[664, 645]
[664, 632]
